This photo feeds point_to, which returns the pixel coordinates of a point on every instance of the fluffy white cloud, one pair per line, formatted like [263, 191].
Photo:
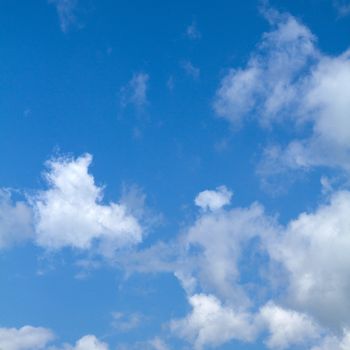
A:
[266, 87]
[88, 342]
[288, 78]
[314, 250]
[287, 327]
[70, 213]
[230, 262]
[38, 338]
[15, 220]
[213, 200]
[212, 324]
[215, 243]
[25, 338]
[135, 92]
[309, 272]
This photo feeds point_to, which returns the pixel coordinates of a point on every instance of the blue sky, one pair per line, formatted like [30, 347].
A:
[174, 175]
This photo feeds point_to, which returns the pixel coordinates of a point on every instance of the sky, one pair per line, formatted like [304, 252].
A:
[174, 175]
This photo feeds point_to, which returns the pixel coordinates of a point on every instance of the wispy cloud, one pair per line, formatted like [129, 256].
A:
[190, 69]
[135, 92]
[193, 32]
[126, 322]
[342, 6]
[66, 11]
[288, 79]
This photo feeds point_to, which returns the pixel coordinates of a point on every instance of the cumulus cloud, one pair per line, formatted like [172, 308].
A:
[314, 251]
[66, 12]
[87, 342]
[288, 79]
[212, 324]
[214, 200]
[25, 338]
[15, 220]
[218, 239]
[38, 338]
[135, 92]
[231, 261]
[287, 327]
[70, 213]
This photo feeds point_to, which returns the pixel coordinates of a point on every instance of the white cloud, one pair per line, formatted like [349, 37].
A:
[214, 200]
[217, 238]
[70, 213]
[25, 338]
[38, 338]
[87, 342]
[288, 78]
[335, 343]
[135, 92]
[193, 32]
[287, 327]
[314, 250]
[230, 262]
[15, 220]
[265, 87]
[212, 324]
[66, 12]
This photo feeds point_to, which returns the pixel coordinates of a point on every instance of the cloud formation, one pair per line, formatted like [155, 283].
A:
[212, 324]
[25, 338]
[15, 220]
[213, 200]
[231, 262]
[66, 13]
[70, 213]
[88, 342]
[288, 79]
[135, 92]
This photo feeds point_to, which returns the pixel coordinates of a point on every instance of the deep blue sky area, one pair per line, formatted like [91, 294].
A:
[67, 88]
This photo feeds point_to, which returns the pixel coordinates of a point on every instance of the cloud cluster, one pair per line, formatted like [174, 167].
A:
[212, 324]
[231, 261]
[287, 79]
[25, 338]
[38, 338]
[69, 213]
